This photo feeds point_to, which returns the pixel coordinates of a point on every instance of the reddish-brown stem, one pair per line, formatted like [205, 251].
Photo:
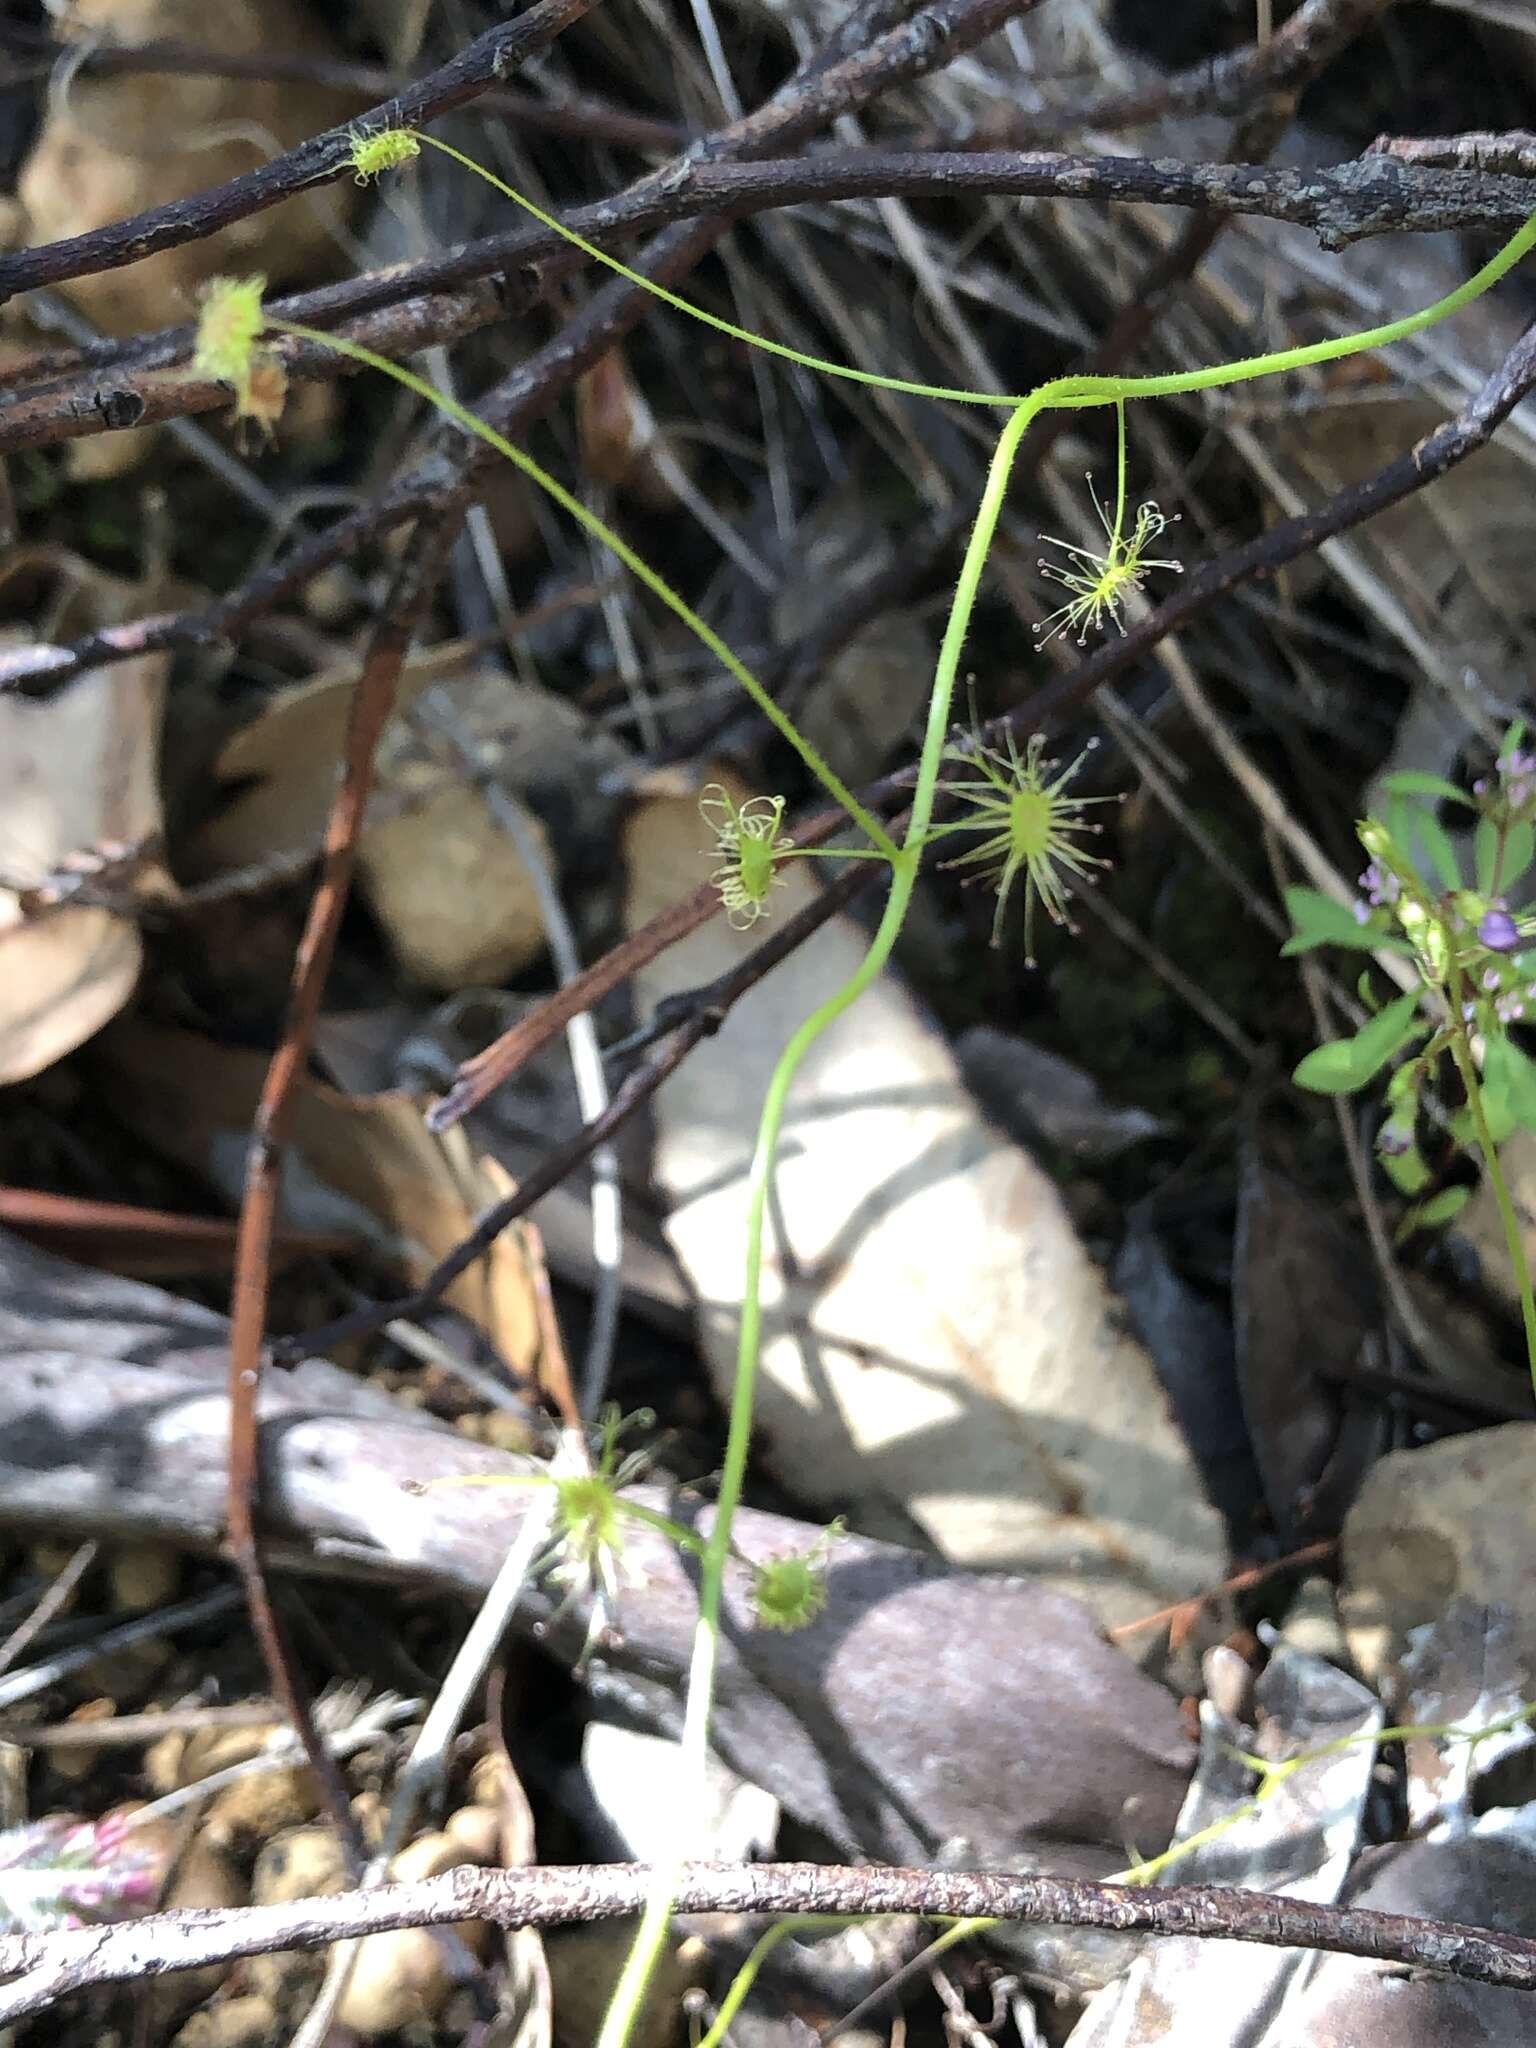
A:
[372, 702]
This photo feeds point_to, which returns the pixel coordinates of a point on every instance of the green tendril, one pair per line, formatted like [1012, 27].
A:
[1100, 590]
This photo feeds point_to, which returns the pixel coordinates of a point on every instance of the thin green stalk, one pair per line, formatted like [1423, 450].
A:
[617, 545]
[1120, 458]
[623, 2012]
[629, 1992]
[1070, 391]
[1060, 393]
[781, 349]
[677, 1533]
[746, 1976]
[1461, 1053]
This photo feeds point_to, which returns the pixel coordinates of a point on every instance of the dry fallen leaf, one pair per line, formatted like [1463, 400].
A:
[436, 863]
[78, 792]
[939, 1351]
[281, 768]
[117, 142]
[369, 1160]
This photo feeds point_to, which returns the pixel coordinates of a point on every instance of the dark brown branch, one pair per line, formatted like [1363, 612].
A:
[1315, 35]
[844, 77]
[1369, 195]
[487, 61]
[593, 120]
[46, 669]
[1308, 41]
[103, 398]
[1373, 195]
[1228, 85]
[48, 1966]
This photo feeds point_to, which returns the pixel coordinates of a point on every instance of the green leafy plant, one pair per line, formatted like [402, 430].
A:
[1028, 825]
[1474, 960]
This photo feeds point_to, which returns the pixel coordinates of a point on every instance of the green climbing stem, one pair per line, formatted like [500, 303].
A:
[1082, 390]
[1060, 393]
[603, 533]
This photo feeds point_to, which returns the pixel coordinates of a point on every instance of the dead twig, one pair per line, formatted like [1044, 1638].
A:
[444, 298]
[53, 1599]
[690, 1019]
[1513, 152]
[1183, 1612]
[1232, 84]
[373, 701]
[49, 1966]
[486, 62]
[102, 400]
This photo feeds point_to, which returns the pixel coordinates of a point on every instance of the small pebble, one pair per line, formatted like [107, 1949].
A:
[477, 1832]
[249, 2021]
[74, 1765]
[301, 1863]
[256, 1806]
[505, 1430]
[143, 1576]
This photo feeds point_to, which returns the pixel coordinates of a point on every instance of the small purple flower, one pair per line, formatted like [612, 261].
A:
[1517, 773]
[1380, 885]
[1394, 1139]
[1362, 911]
[1498, 930]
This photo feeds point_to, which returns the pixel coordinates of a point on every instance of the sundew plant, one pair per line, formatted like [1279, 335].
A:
[1027, 830]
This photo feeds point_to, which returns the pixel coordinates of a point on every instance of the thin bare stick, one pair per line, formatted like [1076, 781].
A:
[372, 702]
[485, 62]
[49, 1966]
[64, 1583]
[689, 1019]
